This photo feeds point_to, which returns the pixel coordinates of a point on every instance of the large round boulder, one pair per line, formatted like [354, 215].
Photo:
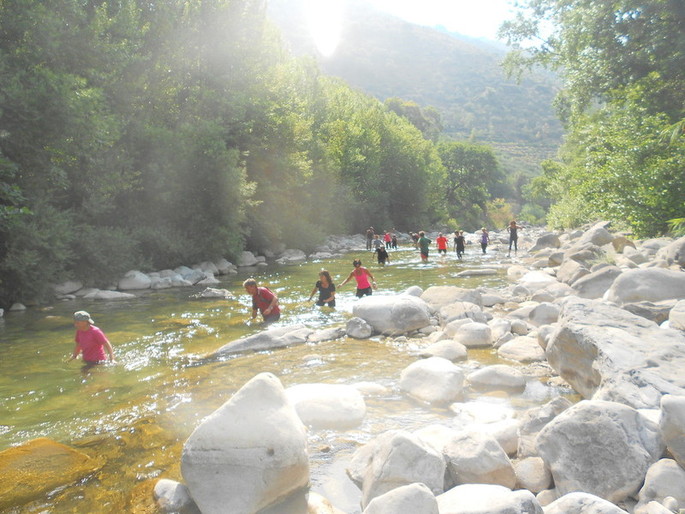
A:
[393, 315]
[249, 454]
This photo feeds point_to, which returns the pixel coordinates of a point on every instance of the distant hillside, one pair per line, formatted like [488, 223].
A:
[460, 76]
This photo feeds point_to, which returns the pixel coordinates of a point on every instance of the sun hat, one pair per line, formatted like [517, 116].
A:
[83, 316]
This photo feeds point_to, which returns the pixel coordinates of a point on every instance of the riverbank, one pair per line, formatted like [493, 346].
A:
[498, 307]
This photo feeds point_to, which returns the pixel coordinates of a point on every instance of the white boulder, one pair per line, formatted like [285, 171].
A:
[487, 499]
[393, 315]
[249, 454]
[413, 498]
[328, 406]
[433, 380]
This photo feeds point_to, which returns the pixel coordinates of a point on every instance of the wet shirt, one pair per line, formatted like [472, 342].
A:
[263, 299]
[92, 344]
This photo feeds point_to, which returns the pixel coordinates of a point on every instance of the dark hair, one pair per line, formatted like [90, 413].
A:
[326, 274]
[356, 262]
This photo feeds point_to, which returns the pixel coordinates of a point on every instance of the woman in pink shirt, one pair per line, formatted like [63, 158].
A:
[361, 275]
[91, 342]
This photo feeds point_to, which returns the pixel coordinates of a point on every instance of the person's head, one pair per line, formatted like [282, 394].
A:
[325, 275]
[376, 236]
[512, 223]
[456, 232]
[357, 263]
[439, 234]
[250, 285]
[461, 232]
[422, 233]
[483, 229]
[82, 320]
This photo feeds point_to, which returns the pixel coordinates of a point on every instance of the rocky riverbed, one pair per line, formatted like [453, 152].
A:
[588, 310]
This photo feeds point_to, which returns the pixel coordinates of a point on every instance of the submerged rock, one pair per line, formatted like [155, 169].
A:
[39, 466]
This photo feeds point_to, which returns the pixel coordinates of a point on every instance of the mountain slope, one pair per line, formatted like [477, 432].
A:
[461, 77]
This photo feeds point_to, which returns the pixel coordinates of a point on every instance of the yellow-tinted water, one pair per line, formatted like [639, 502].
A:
[137, 414]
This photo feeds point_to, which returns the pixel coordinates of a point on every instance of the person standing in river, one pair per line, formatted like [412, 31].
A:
[91, 342]
[441, 241]
[263, 300]
[513, 229]
[326, 289]
[484, 239]
[369, 237]
[423, 244]
[362, 276]
[459, 243]
[382, 255]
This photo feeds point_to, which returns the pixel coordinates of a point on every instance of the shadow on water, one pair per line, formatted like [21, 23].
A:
[137, 414]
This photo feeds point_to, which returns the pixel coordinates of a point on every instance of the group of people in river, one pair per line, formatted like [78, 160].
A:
[94, 347]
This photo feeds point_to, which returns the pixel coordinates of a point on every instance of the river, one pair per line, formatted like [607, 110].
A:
[137, 414]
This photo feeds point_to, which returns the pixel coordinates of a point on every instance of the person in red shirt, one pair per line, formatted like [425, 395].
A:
[91, 342]
[263, 300]
[441, 241]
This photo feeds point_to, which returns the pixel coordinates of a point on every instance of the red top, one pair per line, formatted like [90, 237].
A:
[92, 344]
[441, 242]
[262, 299]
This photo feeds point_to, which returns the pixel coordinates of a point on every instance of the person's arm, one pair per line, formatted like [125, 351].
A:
[349, 277]
[77, 350]
[110, 350]
[373, 280]
[312, 293]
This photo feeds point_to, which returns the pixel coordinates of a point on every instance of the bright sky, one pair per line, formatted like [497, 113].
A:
[476, 18]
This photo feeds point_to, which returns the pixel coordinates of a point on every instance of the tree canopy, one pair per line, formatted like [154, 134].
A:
[623, 101]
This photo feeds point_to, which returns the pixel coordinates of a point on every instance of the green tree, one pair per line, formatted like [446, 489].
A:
[624, 70]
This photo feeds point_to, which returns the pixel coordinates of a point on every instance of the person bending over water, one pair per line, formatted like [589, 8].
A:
[326, 289]
[263, 300]
[361, 275]
[91, 342]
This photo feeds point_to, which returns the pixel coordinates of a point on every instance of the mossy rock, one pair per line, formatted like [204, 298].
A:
[38, 467]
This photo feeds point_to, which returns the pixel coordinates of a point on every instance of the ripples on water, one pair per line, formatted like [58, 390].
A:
[138, 413]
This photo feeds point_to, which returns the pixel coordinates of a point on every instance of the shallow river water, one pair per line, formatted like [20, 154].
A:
[136, 415]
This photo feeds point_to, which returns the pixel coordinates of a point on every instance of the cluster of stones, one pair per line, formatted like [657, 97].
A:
[606, 321]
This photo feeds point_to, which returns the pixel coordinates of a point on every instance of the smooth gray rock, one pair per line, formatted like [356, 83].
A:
[393, 315]
[477, 457]
[358, 328]
[603, 448]
[597, 282]
[439, 296]
[676, 316]
[650, 284]
[607, 353]
[394, 459]
[535, 419]
[276, 337]
[664, 478]
[673, 253]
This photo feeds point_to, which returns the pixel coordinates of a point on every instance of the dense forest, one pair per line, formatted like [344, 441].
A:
[623, 105]
[146, 135]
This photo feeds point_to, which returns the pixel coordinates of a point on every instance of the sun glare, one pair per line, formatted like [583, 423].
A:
[325, 20]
